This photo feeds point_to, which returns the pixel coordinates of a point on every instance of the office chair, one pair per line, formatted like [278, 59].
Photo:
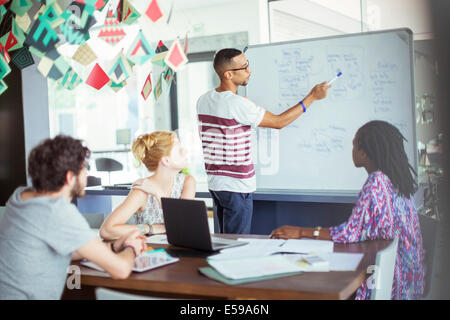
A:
[384, 273]
[107, 294]
[108, 164]
[93, 181]
[94, 220]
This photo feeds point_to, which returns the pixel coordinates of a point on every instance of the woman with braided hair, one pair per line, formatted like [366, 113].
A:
[384, 208]
[162, 154]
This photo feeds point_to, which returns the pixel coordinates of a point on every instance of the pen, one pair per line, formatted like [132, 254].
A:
[334, 79]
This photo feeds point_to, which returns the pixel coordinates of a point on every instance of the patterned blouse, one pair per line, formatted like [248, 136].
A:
[381, 213]
[153, 213]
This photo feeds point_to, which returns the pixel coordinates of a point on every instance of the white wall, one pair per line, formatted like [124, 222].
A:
[222, 17]
[390, 14]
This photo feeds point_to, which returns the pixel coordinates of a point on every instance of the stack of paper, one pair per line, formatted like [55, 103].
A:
[266, 247]
[238, 269]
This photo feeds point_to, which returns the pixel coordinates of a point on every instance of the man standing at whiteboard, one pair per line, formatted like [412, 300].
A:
[225, 123]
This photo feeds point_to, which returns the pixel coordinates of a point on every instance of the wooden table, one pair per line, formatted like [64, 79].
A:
[183, 280]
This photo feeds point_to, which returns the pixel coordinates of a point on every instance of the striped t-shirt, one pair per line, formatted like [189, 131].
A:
[225, 121]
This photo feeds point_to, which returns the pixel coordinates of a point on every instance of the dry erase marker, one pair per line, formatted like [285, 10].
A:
[334, 79]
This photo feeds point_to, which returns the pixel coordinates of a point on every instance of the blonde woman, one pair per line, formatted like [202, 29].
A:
[161, 153]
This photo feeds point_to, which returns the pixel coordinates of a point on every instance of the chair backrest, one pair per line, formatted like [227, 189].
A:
[428, 228]
[93, 181]
[384, 272]
[108, 164]
[94, 220]
[107, 294]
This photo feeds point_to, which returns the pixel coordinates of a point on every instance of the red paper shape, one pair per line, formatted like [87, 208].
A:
[98, 78]
[2, 2]
[4, 53]
[153, 11]
[175, 57]
[11, 42]
[147, 88]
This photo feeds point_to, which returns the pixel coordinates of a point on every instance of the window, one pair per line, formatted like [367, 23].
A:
[197, 78]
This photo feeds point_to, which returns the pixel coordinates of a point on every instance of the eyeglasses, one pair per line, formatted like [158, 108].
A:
[243, 68]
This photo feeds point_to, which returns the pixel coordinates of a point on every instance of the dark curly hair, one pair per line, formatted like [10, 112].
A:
[383, 144]
[49, 162]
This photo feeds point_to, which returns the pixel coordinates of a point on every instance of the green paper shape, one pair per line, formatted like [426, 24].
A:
[133, 14]
[20, 7]
[70, 80]
[116, 86]
[36, 52]
[159, 59]
[4, 68]
[158, 88]
[43, 35]
[2, 13]
[3, 86]
[120, 62]
[17, 33]
[141, 50]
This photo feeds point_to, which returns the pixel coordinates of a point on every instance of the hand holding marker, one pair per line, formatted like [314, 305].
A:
[334, 79]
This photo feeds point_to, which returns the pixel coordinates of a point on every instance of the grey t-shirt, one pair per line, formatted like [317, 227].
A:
[37, 239]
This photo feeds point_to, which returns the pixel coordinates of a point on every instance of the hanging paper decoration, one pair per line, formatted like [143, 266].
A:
[97, 78]
[78, 19]
[161, 53]
[24, 22]
[8, 41]
[112, 33]
[17, 32]
[3, 86]
[4, 53]
[53, 65]
[158, 88]
[20, 7]
[84, 55]
[4, 68]
[168, 75]
[154, 11]
[43, 36]
[120, 70]
[70, 80]
[175, 58]
[185, 46]
[161, 47]
[147, 88]
[2, 12]
[39, 27]
[140, 51]
[116, 86]
[22, 58]
[129, 13]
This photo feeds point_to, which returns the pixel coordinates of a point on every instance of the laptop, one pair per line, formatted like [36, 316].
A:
[187, 226]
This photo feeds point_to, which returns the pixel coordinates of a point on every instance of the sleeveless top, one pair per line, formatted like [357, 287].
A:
[153, 213]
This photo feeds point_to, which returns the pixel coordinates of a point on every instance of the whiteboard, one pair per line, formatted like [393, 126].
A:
[314, 153]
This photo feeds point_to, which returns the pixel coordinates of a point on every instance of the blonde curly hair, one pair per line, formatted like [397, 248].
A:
[150, 148]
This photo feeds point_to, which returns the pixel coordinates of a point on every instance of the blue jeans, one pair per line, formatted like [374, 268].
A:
[234, 211]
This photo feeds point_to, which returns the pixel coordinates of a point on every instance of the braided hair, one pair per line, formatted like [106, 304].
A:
[383, 144]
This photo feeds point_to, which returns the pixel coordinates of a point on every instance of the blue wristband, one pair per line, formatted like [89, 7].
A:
[303, 106]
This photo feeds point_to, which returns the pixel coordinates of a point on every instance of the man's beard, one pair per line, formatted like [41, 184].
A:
[77, 190]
